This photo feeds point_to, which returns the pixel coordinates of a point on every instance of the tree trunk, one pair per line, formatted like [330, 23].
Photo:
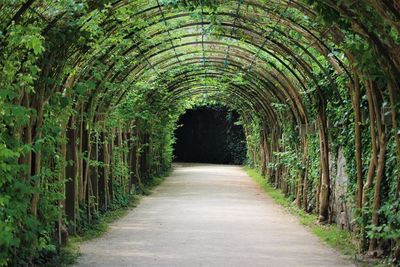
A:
[71, 173]
[377, 194]
[26, 159]
[62, 233]
[101, 173]
[106, 170]
[324, 152]
[37, 156]
[94, 174]
[87, 148]
[380, 169]
[373, 162]
[317, 199]
[81, 152]
[357, 136]
[304, 173]
[110, 172]
[264, 151]
[305, 197]
[396, 133]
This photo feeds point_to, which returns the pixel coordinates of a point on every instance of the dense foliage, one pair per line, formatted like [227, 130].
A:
[90, 93]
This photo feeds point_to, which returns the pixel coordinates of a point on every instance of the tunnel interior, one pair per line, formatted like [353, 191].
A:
[210, 135]
[90, 93]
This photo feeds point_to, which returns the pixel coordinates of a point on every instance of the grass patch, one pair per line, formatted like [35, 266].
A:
[69, 254]
[346, 242]
[98, 229]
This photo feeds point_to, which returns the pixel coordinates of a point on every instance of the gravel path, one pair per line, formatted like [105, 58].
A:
[208, 215]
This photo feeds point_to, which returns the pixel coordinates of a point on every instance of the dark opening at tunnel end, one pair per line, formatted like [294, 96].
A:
[210, 135]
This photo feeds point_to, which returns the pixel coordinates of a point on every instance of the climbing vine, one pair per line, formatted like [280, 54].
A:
[91, 91]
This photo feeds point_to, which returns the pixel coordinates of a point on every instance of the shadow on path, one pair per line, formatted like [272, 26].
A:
[208, 215]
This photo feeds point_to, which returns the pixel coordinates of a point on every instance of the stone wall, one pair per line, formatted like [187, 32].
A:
[341, 207]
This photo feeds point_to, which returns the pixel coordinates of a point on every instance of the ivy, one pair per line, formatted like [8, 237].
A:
[116, 75]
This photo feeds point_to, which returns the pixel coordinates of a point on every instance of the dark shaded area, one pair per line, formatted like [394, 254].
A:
[209, 135]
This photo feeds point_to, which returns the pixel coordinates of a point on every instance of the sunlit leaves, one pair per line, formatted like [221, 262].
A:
[191, 4]
[27, 37]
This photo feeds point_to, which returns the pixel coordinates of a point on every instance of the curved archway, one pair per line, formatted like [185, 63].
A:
[90, 86]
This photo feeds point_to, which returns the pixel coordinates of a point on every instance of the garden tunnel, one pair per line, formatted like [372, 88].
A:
[90, 93]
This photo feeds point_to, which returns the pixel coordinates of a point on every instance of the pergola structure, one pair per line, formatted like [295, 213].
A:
[253, 55]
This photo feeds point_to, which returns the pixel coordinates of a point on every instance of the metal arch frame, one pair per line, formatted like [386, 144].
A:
[246, 91]
[262, 74]
[267, 91]
[253, 97]
[258, 106]
[272, 54]
[249, 30]
[265, 82]
[300, 7]
[256, 94]
[200, 90]
[268, 84]
[277, 2]
[197, 24]
[291, 22]
[189, 44]
[245, 51]
[289, 49]
[295, 103]
[244, 98]
[239, 5]
[252, 44]
[169, 32]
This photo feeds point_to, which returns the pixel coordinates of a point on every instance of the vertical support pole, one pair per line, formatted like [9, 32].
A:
[101, 172]
[71, 173]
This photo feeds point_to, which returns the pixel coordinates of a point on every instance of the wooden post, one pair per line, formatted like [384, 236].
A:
[324, 152]
[101, 173]
[94, 181]
[70, 172]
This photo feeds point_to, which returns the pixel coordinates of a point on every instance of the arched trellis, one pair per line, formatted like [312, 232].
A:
[250, 97]
[269, 83]
[174, 48]
[257, 46]
[244, 107]
[244, 104]
[191, 44]
[281, 51]
[243, 41]
[257, 94]
[299, 69]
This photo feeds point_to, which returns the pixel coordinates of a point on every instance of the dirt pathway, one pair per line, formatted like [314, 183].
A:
[208, 215]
